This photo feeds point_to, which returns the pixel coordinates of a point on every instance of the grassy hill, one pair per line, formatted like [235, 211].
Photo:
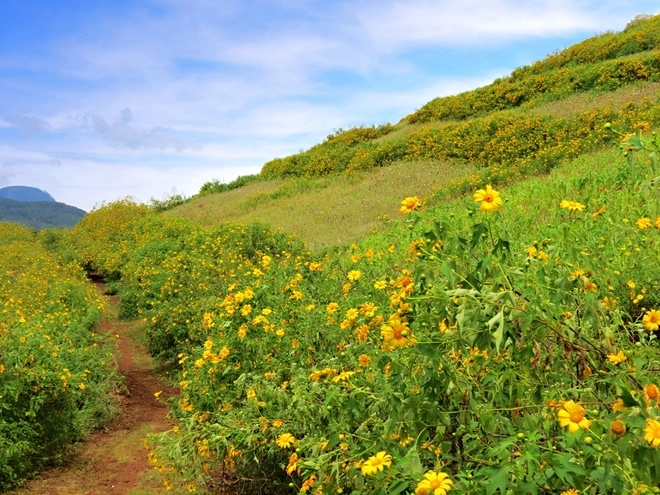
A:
[523, 124]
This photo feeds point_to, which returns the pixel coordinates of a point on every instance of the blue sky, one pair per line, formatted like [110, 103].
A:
[100, 100]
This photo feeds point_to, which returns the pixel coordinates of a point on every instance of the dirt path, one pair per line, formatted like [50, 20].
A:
[114, 461]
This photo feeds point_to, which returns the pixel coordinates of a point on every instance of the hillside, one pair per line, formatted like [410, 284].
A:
[527, 123]
[39, 214]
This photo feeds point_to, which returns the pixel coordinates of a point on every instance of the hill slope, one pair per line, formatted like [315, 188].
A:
[523, 124]
[39, 214]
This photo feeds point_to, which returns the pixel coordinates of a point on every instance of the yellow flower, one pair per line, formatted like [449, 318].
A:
[435, 483]
[589, 286]
[572, 491]
[376, 463]
[571, 205]
[293, 464]
[651, 320]
[277, 423]
[354, 275]
[364, 360]
[617, 427]
[642, 126]
[609, 303]
[409, 204]
[308, 483]
[652, 432]
[572, 415]
[381, 284]
[618, 406]
[651, 392]
[344, 375]
[352, 314]
[285, 440]
[332, 308]
[657, 223]
[489, 198]
[531, 251]
[368, 309]
[617, 358]
[395, 335]
[599, 212]
[643, 223]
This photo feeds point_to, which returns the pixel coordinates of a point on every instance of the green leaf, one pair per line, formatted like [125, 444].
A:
[628, 399]
[503, 246]
[498, 335]
[498, 481]
[478, 231]
[397, 487]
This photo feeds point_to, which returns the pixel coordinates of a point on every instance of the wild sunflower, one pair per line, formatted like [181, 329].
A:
[395, 335]
[652, 432]
[651, 392]
[651, 320]
[571, 205]
[435, 483]
[376, 463]
[409, 204]
[643, 223]
[617, 358]
[285, 440]
[617, 427]
[489, 198]
[572, 415]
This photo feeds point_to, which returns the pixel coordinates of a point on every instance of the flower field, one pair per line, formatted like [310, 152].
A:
[55, 372]
[500, 343]
[501, 337]
[482, 127]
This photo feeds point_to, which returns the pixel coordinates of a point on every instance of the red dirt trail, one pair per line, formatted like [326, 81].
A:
[114, 461]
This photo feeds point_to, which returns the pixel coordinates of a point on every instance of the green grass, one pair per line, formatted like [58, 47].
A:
[326, 211]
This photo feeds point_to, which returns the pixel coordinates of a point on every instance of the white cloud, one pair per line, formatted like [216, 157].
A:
[28, 123]
[399, 24]
[134, 137]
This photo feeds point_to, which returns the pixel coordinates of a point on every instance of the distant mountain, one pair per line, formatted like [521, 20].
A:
[24, 193]
[41, 214]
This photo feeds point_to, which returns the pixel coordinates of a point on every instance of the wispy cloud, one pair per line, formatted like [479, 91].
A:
[134, 137]
[28, 123]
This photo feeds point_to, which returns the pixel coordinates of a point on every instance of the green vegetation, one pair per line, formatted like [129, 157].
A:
[444, 347]
[39, 214]
[325, 211]
[55, 372]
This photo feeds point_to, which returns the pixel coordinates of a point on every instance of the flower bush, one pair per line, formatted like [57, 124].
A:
[56, 372]
[478, 349]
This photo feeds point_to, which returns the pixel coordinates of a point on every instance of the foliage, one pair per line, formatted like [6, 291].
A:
[55, 371]
[215, 186]
[359, 134]
[169, 201]
[498, 346]
[525, 143]
[101, 228]
[602, 63]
